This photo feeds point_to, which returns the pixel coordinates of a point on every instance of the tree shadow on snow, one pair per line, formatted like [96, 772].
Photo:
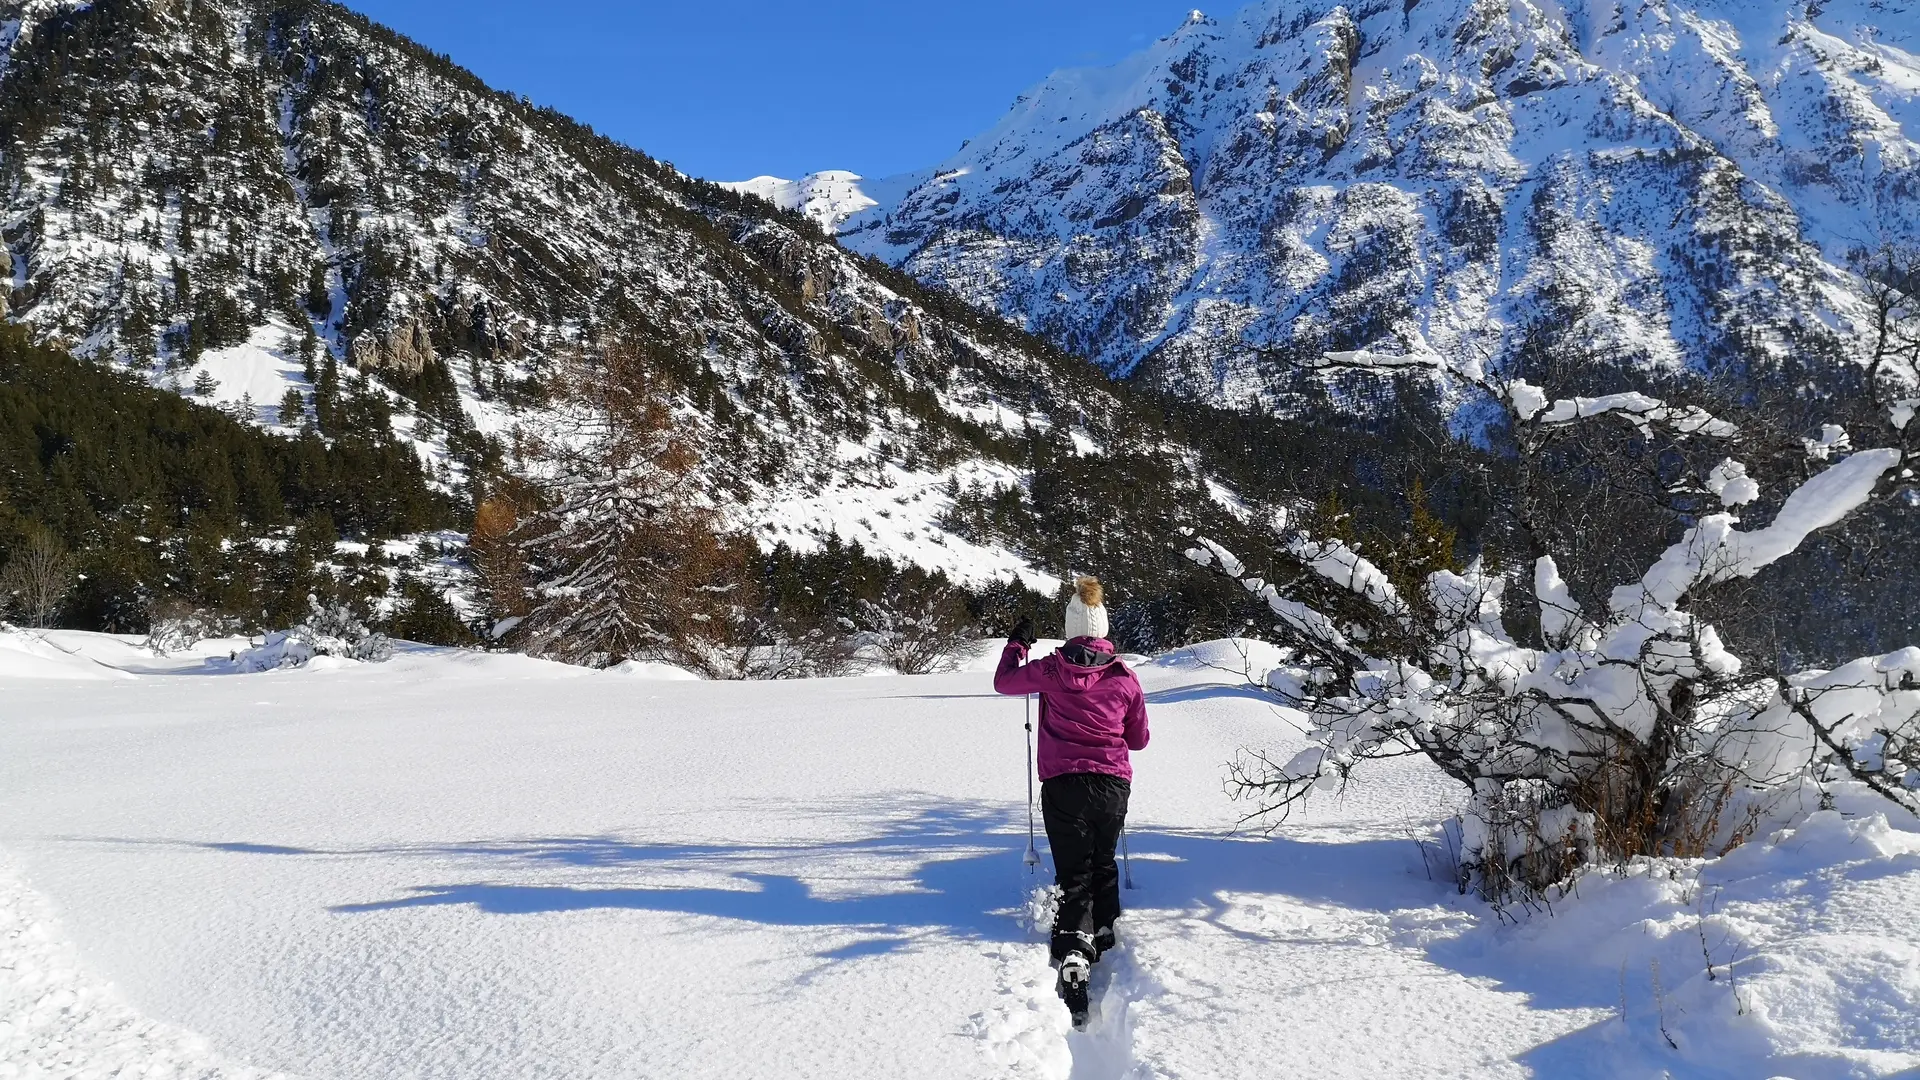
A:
[1205, 691]
[950, 868]
[928, 867]
[923, 867]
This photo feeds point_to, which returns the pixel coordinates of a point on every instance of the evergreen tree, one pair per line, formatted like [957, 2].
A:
[326, 396]
[626, 560]
[424, 614]
[293, 409]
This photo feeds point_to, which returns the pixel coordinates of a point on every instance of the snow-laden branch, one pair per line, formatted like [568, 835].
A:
[1212, 554]
[1716, 551]
[1730, 484]
[1531, 405]
[1344, 567]
[1297, 618]
[1561, 623]
[1604, 733]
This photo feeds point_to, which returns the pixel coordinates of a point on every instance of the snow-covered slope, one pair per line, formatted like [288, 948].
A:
[475, 866]
[1684, 183]
[234, 190]
[827, 197]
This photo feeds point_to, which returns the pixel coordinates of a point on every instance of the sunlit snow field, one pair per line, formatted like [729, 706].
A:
[467, 866]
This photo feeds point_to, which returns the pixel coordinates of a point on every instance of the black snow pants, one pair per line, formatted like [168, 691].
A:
[1084, 813]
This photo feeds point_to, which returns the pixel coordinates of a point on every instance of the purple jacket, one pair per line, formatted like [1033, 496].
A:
[1090, 717]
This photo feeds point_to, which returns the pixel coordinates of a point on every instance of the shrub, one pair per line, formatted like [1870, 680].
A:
[329, 630]
[1630, 729]
[917, 635]
[176, 626]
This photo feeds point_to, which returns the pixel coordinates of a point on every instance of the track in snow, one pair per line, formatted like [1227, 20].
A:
[1105, 1050]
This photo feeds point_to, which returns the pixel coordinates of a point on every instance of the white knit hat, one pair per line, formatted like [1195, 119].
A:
[1087, 611]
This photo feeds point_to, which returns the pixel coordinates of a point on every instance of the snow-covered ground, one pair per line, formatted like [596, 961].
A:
[468, 866]
[260, 371]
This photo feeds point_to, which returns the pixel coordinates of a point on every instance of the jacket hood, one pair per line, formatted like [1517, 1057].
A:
[1097, 650]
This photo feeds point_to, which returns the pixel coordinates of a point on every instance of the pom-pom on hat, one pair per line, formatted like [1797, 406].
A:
[1087, 611]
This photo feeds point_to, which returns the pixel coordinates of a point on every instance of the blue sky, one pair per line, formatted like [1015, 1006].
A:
[728, 89]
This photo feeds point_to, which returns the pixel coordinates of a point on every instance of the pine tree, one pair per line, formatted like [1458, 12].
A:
[326, 395]
[1426, 545]
[424, 614]
[204, 384]
[626, 561]
[319, 297]
[293, 409]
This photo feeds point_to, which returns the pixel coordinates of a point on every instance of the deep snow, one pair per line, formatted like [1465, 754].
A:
[461, 865]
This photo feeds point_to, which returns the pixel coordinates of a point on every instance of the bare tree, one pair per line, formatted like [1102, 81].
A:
[37, 578]
[1892, 276]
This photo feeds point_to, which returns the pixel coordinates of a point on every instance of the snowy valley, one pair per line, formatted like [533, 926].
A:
[477, 601]
[232, 198]
[457, 865]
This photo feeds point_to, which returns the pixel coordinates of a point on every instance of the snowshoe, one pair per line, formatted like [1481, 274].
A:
[1075, 972]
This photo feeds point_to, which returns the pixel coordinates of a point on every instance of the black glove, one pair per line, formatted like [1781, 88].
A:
[1023, 633]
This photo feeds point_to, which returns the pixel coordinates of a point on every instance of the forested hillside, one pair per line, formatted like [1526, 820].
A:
[150, 498]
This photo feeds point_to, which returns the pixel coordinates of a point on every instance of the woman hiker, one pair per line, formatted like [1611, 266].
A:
[1092, 715]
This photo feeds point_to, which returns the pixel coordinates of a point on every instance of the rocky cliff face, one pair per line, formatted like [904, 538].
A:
[1683, 184]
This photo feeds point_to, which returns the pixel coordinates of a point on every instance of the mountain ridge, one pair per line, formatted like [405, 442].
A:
[1687, 184]
[263, 203]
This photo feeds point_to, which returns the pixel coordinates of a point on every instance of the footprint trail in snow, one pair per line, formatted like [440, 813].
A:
[1104, 1051]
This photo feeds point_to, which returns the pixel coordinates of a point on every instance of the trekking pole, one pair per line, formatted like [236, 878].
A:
[1126, 857]
[1032, 858]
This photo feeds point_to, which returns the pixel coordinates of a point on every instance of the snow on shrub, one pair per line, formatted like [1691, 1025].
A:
[1633, 730]
[329, 630]
[919, 635]
[179, 628]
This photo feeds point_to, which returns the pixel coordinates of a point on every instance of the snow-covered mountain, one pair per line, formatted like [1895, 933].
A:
[241, 189]
[828, 197]
[1683, 182]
